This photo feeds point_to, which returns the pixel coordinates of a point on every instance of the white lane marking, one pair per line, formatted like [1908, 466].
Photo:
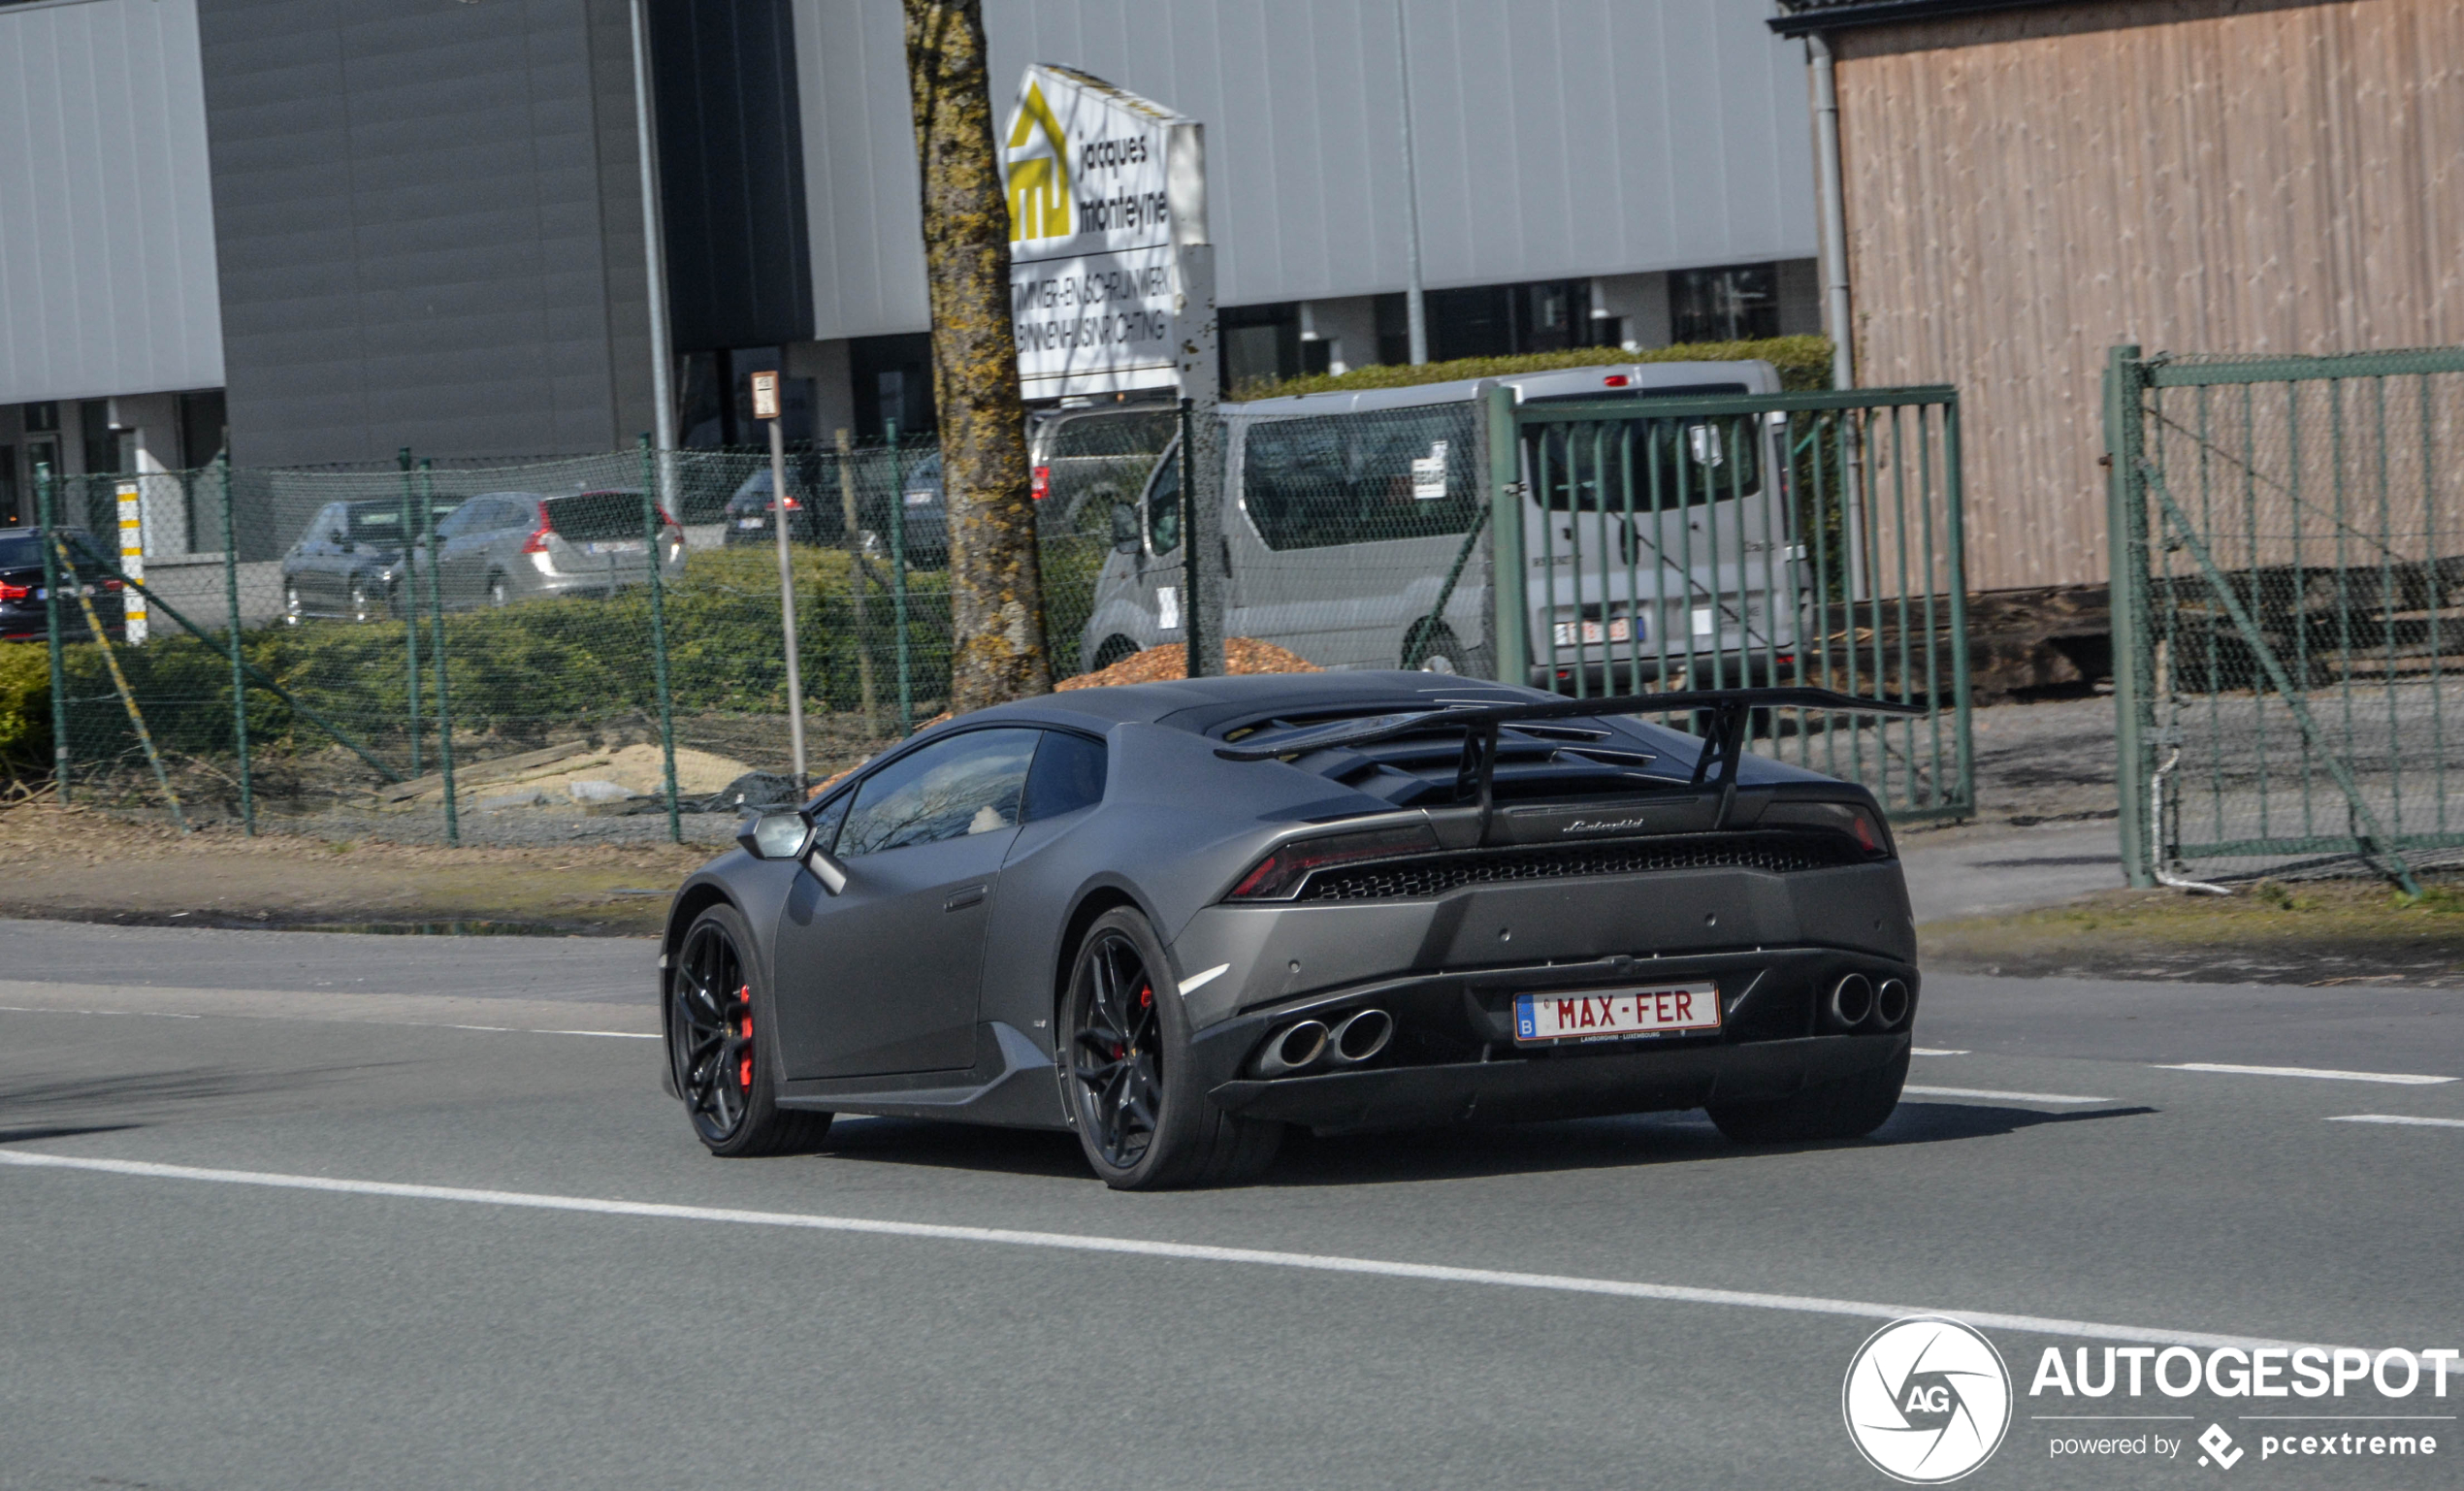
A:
[2396, 1117]
[1933, 1051]
[1072, 1241]
[2021, 1097]
[1197, 981]
[18, 1009]
[2406, 1078]
[620, 1035]
[413, 1025]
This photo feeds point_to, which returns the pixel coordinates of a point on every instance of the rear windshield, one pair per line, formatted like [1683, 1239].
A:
[1648, 465]
[597, 515]
[23, 549]
[376, 523]
[1143, 433]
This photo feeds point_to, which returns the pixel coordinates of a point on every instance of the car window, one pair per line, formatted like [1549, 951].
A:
[1068, 775]
[1360, 478]
[1141, 433]
[966, 784]
[460, 520]
[1674, 463]
[1163, 505]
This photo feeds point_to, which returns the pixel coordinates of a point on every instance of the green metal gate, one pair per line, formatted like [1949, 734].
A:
[1710, 541]
[2288, 542]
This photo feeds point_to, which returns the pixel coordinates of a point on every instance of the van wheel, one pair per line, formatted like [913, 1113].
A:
[1114, 649]
[1431, 647]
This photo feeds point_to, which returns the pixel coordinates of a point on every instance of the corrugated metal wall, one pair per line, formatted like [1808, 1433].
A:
[429, 224]
[107, 250]
[2027, 190]
[1555, 138]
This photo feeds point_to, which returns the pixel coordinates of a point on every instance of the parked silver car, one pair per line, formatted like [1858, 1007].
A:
[500, 547]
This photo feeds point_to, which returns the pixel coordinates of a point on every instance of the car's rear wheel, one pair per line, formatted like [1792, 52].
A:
[1125, 1074]
[498, 594]
[718, 1045]
[1849, 1108]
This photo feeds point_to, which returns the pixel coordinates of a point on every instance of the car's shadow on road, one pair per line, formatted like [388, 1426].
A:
[1463, 1152]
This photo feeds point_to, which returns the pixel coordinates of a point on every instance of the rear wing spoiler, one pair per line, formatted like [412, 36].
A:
[1731, 714]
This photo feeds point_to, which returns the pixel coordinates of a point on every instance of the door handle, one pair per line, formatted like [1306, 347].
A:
[960, 900]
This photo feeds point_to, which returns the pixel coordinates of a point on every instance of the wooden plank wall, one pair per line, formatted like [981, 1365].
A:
[2026, 188]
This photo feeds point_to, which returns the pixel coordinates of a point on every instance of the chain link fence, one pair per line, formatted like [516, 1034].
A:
[2288, 546]
[488, 652]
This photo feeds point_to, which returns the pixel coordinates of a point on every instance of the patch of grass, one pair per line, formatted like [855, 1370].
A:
[2314, 932]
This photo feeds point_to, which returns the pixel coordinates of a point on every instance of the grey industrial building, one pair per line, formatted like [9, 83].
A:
[315, 231]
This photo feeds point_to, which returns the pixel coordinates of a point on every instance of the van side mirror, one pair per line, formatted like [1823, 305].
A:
[1126, 527]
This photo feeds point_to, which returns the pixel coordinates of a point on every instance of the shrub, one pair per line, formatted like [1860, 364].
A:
[25, 706]
[1804, 363]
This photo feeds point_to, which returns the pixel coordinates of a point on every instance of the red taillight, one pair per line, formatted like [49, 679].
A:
[1616, 380]
[792, 506]
[10, 591]
[1281, 873]
[1042, 483]
[536, 544]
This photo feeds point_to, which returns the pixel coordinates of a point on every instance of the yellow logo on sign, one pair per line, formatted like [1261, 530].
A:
[1039, 186]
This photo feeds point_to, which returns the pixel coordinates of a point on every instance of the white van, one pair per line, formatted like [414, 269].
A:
[1353, 534]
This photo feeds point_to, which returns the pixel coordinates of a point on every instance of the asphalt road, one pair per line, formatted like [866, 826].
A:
[342, 1239]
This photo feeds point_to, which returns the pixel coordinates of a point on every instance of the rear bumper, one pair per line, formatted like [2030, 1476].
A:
[1560, 1085]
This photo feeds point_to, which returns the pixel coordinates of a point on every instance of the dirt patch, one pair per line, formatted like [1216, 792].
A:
[2318, 933]
[80, 864]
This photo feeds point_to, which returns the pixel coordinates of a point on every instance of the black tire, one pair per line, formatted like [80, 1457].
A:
[721, 1068]
[1123, 1053]
[1115, 648]
[498, 598]
[1431, 647]
[1848, 1109]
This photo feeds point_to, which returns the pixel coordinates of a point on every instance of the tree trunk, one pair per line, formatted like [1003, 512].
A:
[996, 595]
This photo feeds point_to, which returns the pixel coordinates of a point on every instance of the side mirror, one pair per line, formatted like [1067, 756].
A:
[789, 837]
[1124, 528]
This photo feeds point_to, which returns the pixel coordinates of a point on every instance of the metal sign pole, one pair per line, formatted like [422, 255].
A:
[766, 406]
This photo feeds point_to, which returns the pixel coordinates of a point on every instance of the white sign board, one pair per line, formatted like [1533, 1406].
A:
[1102, 185]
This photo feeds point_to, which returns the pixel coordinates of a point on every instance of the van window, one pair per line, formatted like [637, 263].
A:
[1674, 460]
[1329, 479]
[1163, 503]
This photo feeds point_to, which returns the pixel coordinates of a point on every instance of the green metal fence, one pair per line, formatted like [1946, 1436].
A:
[295, 660]
[2287, 544]
[1797, 539]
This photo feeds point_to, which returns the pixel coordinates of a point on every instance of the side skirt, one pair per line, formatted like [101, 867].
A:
[1011, 1085]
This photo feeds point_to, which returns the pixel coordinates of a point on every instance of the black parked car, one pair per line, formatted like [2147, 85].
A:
[1175, 918]
[349, 562]
[23, 613]
[817, 509]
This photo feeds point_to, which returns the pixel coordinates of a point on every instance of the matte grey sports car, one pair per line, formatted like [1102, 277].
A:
[1175, 917]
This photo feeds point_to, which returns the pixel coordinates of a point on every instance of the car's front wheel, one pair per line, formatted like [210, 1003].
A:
[1850, 1107]
[1139, 1112]
[362, 606]
[718, 1045]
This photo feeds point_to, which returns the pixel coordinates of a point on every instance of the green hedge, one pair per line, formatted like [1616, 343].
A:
[1804, 363]
[25, 707]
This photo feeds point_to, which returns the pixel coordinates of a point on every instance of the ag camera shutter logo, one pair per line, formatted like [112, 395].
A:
[1926, 1401]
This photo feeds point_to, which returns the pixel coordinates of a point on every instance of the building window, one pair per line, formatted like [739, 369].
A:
[205, 428]
[1737, 303]
[1261, 343]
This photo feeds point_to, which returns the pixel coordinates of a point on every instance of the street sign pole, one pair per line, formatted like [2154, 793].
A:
[766, 406]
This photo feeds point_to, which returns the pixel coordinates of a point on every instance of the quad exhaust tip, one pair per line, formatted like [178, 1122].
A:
[1852, 999]
[1296, 1048]
[1359, 1036]
[1308, 1044]
[1891, 1002]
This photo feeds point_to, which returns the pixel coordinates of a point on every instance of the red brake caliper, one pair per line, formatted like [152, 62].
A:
[744, 1061]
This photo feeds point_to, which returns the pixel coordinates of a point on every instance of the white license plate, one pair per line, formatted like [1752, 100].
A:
[1616, 631]
[1608, 1014]
[750, 522]
[613, 546]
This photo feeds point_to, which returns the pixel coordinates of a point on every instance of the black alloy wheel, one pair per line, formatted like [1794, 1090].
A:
[715, 1046]
[1142, 1122]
